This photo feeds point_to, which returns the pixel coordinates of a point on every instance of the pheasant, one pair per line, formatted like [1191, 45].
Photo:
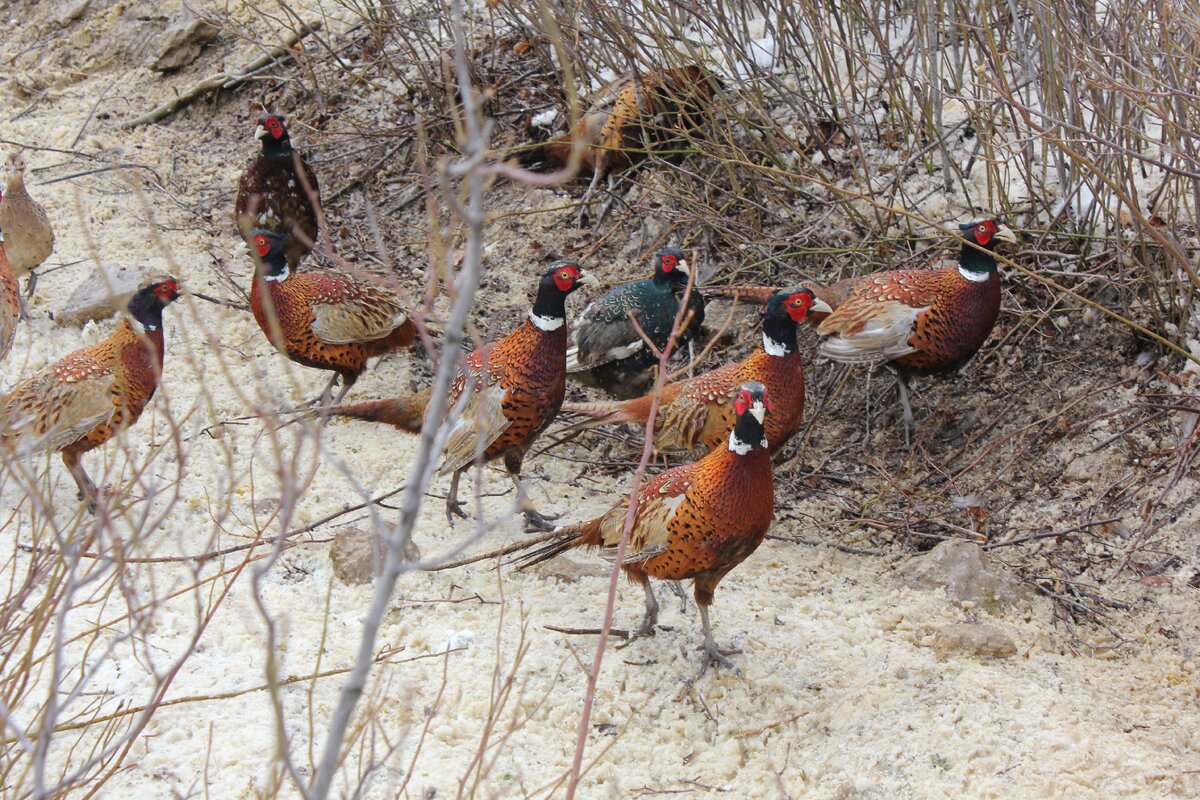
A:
[698, 412]
[277, 191]
[324, 319]
[641, 114]
[517, 386]
[608, 352]
[28, 237]
[918, 322]
[10, 304]
[695, 521]
[83, 400]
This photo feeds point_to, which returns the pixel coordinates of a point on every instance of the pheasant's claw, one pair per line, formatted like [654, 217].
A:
[537, 521]
[454, 509]
[716, 656]
[647, 628]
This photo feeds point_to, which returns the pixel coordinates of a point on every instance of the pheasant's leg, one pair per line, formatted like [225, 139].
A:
[87, 489]
[346, 384]
[606, 204]
[713, 655]
[651, 617]
[22, 308]
[323, 400]
[533, 518]
[587, 195]
[902, 384]
[453, 507]
[691, 359]
[31, 284]
[677, 589]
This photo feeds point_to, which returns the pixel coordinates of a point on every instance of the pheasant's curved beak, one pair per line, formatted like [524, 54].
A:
[1005, 234]
[820, 306]
[683, 267]
[260, 132]
[758, 411]
[587, 279]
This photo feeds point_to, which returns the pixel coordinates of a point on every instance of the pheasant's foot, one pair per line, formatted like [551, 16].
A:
[536, 521]
[716, 657]
[454, 509]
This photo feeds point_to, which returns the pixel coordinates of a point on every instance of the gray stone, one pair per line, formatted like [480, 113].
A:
[967, 574]
[356, 555]
[972, 639]
[102, 294]
[181, 43]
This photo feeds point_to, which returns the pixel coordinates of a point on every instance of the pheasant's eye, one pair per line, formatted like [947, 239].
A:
[668, 263]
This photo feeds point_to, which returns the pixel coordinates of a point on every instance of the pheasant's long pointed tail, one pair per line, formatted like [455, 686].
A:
[566, 537]
[406, 413]
[759, 295]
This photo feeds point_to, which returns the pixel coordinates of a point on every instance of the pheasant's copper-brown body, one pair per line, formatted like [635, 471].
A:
[325, 319]
[636, 116]
[516, 388]
[10, 304]
[694, 521]
[698, 412]
[272, 193]
[83, 400]
[28, 237]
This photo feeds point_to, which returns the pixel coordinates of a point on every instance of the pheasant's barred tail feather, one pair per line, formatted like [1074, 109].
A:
[406, 413]
[585, 534]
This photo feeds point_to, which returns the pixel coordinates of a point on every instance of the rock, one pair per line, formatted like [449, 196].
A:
[102, 294]
[971, 639]
[356, 555]
[570, 571]
[181, 43]
[966, 573]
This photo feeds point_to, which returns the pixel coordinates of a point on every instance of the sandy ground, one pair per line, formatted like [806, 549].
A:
[841, 694]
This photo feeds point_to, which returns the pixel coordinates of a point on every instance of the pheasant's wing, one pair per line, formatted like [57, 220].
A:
[346, 311]
[483, 420]
[876, 320]
[604, 331]
[59, 405]
[658, 503]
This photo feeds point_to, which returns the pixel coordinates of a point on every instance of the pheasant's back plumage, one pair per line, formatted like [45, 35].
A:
[697, 520]
[271, 196]
[606, 344]
[10, 304]
[28, 236]
[84, 399]
[330, 321]
[634, 117]
[525, 373]
[698, 412]
[950, 316]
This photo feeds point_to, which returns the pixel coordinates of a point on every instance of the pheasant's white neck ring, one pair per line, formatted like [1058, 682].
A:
[142, 327]
[737, 445]
[975, 277]
[774, 348]
[282, 276]
[546, 323]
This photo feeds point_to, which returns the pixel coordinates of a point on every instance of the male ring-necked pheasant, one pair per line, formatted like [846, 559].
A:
[28, 237]
[606, 349]
[695, 521]
[632, 118]
[517, 386]
[10, 304]
[321, 318]
[272, 193]
[918, 322]
[83, 400]
[698, 412]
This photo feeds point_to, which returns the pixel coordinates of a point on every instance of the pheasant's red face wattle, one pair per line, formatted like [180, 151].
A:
[984, 231]
[798, 306]
[565, 278]
[742, 403]
[262, 246]
[166, 291]
[669, 262]
[274, 127]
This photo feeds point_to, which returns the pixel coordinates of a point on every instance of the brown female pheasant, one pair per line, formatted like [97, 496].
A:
[10, 304]
[324, 319]
[695, 521]
[918, 322]
[83, 400]
[698, 412]
[632, 118]
[28, 237]
[277, 191]
[516, 384]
